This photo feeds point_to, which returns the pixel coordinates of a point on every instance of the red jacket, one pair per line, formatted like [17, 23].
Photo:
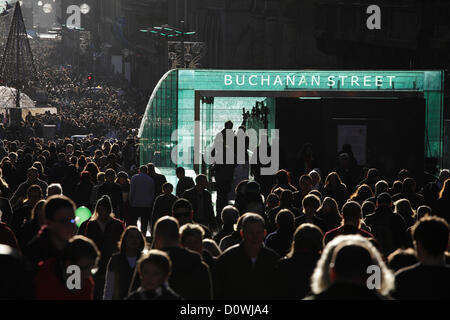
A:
[7, 236]
[49, 286]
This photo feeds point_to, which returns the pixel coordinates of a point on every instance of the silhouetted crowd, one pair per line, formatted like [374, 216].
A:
[308, 239]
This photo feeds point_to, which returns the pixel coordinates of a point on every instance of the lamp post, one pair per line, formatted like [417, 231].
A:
[168, 32]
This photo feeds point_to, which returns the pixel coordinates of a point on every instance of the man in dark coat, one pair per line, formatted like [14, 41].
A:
[246, 271]
[190, 276]
[21, 192]
[159, 179]
[388, 228]
[184, 182]
[200, 198]
[163, 204]
[113, 190]
[51, 240]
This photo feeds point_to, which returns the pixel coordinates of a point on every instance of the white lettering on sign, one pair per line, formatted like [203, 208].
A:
[310, 81]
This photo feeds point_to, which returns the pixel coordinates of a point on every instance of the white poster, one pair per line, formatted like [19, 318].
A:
[356, 136]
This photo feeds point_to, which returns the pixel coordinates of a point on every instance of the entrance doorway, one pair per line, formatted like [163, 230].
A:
[384, 133]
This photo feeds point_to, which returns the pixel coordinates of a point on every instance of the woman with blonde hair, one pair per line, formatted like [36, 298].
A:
[351, 268]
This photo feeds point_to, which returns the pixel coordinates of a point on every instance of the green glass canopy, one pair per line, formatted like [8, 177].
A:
[178, 101]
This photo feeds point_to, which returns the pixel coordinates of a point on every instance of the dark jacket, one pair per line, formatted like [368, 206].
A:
[162, 293]
[159, 180]
[20, 215]
[114, 191]
[107, 240]
[21, 191]
[422, 282]
[317, 221]
[340, 193]
[27, 232]
[388, 228]
[8, 237]
[280, 241]
[226, 230]
[162, 207]
[294, 275]
[236, 277]
[184, 184]
[415, 199]
[123, 275]
[190, 277]
[83, 194]
[6, 209]
[41, 248]
[208, 210]
[344, 230]
[344, 291]
[442, 209]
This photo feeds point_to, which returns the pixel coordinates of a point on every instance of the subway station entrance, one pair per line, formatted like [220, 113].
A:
[392, 119]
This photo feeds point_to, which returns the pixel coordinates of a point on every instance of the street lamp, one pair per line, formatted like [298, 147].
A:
[168, 32]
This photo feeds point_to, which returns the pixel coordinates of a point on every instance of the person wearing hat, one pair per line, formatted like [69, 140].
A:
[388, 227]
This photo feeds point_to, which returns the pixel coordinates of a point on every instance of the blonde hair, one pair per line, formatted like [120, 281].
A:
[320, 280]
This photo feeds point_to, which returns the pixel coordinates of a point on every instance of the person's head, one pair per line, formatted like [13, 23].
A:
[167, 188]
[229, 215]
[201, 181]
[422, 211]
[444, 174]
[380, 187]
[103, 208]
[403, 174]
[228, 125]
[54, 189]
[285, 220]
[83, 252]
[445, 191]
[182, 211]
[330, 206]
[431, 237]
[143, 169]
[154, 269]
[287, 198]
[306, 183]
[253, 231]
[315, 176]
[333, 179]
[352, 214]
[60, 216]
[409, 185]
[151, 169]
[101, 178]
[192, 237]
[272, 201]
[316, 193]
[32, 174]
[346, 259]
[402, 258]
[122, 177]
[211, 246]
[372, 174]
[403, 207]
[368, 207]
[363, 192]
[34, 194]
[85, 177]
[110, 175]
[310, 203]
[282, 177]
[166, 232]
[384, 200]
[132, 241]
[37, 213]
[180, 172]
[308, 238]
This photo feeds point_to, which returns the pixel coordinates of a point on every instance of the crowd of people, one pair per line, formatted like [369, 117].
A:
[314, 236]
[303, 240]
